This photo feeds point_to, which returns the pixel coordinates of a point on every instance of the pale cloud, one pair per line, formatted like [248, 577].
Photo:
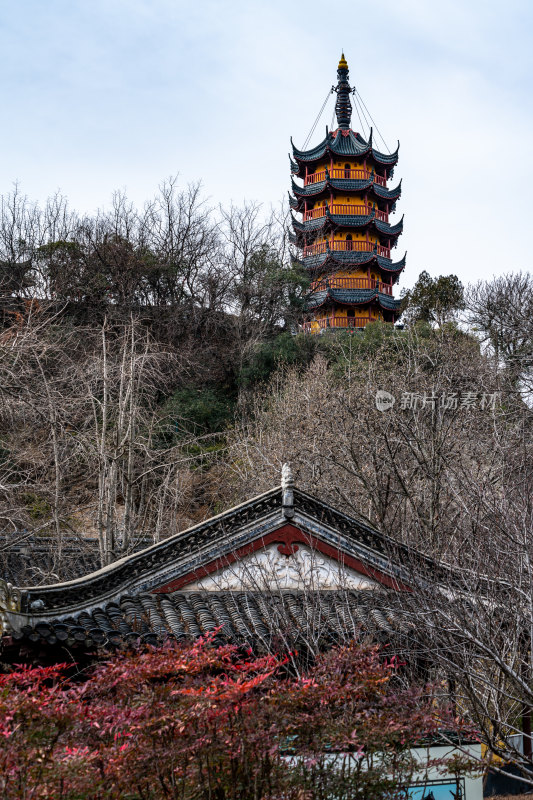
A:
[106, 94]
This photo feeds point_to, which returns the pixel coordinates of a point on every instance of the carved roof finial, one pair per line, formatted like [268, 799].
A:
[287, 484]
[286, 476]
[10, 600]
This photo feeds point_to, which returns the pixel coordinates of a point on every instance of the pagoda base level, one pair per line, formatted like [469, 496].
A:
[339, 323]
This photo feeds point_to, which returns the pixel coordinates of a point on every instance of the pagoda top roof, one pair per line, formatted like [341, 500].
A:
[342, 142]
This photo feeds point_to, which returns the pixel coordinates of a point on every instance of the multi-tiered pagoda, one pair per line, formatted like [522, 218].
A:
[345, 234]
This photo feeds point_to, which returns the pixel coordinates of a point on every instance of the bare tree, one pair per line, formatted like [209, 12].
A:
[266, 287]
[38, 452]
[387, 466]
[447, 469]
[501, 313]
[88, 451]
[475, 624]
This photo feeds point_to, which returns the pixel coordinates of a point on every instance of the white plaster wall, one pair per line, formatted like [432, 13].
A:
[473, 785]
[270, 569]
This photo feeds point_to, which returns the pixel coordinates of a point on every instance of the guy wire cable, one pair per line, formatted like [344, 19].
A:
[370, 115]
[356, 104]
[315, 123]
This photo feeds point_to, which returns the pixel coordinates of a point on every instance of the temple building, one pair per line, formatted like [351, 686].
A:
[269, 573]
[345, 235]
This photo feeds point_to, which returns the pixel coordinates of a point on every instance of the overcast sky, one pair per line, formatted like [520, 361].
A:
[107, 94]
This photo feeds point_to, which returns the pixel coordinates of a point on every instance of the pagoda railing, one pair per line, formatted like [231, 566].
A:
[345, 209]
[346, 175]
[351, 283]
[343, 246]
[337, 322]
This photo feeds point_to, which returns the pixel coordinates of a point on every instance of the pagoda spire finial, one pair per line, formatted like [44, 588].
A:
[343, 106]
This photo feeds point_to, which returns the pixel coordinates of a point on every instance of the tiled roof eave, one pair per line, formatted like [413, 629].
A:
[342, 260]
[338, 144]
[346, 185]
[324, 189]
[386, 159]
[310, 190]
[389, 230]
[252, 617]
[351, 297]
[339, 222]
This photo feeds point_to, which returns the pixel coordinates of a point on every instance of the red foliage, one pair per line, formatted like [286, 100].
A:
[204, 722]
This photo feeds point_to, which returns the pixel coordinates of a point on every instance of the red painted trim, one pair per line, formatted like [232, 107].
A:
[288, 549]
[287, 536]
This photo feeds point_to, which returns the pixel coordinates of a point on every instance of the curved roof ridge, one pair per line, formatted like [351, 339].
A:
[385, 158]
[390, 230]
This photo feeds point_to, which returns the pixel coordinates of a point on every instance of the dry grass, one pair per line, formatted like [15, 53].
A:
[528, 796]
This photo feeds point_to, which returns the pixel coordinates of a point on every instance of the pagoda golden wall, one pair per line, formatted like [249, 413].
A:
[360, 315]
[340, 237]
[360, 312]
[353, 200]
[357, 272]
[339, 164]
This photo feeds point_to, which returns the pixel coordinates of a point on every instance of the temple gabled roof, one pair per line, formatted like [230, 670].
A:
[343, 143]
[201, 579]
[198, 580]
[173, 561]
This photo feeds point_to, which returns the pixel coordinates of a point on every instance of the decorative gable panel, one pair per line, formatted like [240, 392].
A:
[280, 566]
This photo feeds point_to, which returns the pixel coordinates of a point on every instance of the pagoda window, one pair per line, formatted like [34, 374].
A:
[349, 244]
[347, 171]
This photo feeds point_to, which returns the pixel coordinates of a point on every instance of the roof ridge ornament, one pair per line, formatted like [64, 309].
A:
[10, 603]
[287, 486]
[343, 106]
